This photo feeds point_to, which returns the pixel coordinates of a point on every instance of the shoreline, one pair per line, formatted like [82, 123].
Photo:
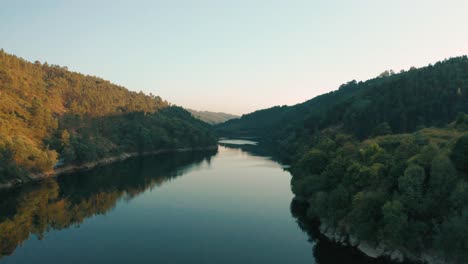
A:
[67, 169]
[371, 250]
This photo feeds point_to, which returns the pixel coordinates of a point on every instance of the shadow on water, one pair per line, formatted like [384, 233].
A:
[253, 148]
[56, 204]
[67, 201]
[326, 251]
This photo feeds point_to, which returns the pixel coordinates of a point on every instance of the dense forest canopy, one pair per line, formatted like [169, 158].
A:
[383, 161]
[429, 96]
[49, 114]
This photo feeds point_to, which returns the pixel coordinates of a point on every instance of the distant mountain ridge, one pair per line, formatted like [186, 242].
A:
[212, 117]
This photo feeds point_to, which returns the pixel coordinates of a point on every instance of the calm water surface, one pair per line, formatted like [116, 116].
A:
[237, 142]
[224, 207]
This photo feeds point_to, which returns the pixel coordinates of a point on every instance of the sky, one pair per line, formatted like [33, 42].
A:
[234, 56]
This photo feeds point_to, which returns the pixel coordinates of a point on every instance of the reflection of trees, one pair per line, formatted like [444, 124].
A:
[57, 204]
[324, 250]
[263, 149]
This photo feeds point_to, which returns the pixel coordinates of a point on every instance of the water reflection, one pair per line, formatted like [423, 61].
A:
[237, 141]
[56, 204]
[251, 147]
[326, 251]
[234, 210]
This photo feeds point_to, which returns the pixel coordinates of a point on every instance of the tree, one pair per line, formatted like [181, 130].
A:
[411, 186]
[451, 238]
[314, 162]
[395, 222]
[442, 182]
[384, 74]
[366, 214]
[459, 154]
[65, 138]
[382, 129]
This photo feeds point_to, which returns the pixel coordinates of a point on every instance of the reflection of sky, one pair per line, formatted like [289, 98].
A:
[237, 142]
[235, 56]
[233, 210]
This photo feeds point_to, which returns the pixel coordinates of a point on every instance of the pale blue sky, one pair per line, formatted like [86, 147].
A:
[234, 56]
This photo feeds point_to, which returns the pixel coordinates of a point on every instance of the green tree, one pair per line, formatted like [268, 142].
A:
[442, 182]
[459, 154]
[395, 222]
[314, 161]
[411, 186]
[451, 238]
[382, 129]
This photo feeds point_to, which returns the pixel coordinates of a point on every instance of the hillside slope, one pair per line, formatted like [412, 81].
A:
[429, 96]
[49, 114]
[381, 163]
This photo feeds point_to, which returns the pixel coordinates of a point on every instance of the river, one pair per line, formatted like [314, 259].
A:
[225, 206]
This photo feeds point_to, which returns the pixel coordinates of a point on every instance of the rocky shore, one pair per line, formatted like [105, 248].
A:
[372, 250]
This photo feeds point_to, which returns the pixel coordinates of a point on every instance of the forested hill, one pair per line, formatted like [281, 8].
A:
[429, 96]
[49, 114]
[212, 117]
[382, 163]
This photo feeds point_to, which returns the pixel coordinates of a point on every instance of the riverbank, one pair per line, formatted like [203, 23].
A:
[89, 165]
[369, 249]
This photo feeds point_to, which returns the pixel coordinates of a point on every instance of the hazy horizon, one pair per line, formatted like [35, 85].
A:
[234, 57]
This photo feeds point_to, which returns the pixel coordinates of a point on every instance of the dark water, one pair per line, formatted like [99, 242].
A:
[205, 207]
